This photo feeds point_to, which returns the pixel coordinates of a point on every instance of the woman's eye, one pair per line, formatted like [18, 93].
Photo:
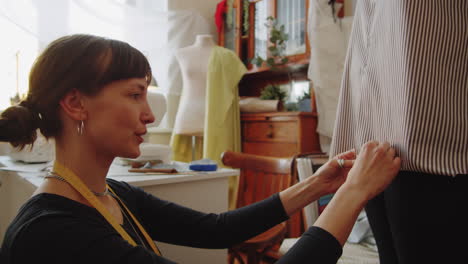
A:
[136, 96]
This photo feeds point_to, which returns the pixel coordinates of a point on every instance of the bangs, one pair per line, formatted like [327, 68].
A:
[123, 61]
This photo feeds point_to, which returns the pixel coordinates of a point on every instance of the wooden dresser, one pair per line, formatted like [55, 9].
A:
[279, 134]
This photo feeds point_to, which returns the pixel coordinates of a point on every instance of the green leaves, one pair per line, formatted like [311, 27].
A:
[245, 12]
[270, 61]
[278, 36]
[272, 92]
[258, 61]
[277, 39]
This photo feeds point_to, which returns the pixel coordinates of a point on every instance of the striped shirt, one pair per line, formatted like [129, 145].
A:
[405, 81]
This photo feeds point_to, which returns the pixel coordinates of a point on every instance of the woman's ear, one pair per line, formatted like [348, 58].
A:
[72, 105]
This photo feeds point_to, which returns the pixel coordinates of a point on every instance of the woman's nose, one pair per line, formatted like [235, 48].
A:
[148, 116]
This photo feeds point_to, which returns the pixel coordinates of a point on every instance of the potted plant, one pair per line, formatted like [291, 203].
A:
[277, 39]
[273, 92]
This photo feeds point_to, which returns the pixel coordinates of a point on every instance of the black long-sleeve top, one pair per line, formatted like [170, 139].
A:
[53, 229]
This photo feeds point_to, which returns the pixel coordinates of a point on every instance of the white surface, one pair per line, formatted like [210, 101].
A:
[43, 150]
[304, 169]
[204, 191]
[4, 148]
[361, 229]
[151, 152]
[158, 105]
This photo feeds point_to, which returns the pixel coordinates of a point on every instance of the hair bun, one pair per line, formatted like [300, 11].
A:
[18, 125]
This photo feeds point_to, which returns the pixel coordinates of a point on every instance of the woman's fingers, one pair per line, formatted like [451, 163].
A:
[391, 152]
[384, 147]
[348, 164]
[344, 163]
[375, 167]
[350, 154]
[345, 160]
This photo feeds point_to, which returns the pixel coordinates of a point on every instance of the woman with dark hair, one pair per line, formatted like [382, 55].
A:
[89, 94]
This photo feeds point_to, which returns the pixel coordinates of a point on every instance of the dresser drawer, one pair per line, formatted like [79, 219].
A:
[270, 131]
[272, 149]
[279, 134]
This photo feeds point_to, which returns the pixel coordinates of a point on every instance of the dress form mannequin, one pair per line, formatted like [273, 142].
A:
[193, 61]
[209, 104]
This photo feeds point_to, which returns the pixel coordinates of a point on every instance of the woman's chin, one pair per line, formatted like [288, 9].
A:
[132, 155]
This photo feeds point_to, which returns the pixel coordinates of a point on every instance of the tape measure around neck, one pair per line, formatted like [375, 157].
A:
[80, 187]
[135, 220]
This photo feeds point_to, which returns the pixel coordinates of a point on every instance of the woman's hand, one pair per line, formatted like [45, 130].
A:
[357, 179]
[331, 176]
[326, 180]
[375, 167]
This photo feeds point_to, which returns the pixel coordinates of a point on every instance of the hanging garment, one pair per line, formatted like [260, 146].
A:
[328, 38]
[222, 114]
[222, 122]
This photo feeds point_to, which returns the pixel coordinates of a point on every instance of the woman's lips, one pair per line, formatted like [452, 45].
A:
[139, 138]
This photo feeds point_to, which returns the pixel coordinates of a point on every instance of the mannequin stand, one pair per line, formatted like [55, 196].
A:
[194, 145]
[194, 138]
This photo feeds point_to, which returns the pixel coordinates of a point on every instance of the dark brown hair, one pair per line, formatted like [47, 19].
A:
[82, 62]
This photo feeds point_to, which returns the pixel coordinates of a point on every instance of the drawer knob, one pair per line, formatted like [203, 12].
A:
[270, 131]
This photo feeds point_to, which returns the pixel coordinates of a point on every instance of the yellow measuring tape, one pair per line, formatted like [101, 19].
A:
[80, 187]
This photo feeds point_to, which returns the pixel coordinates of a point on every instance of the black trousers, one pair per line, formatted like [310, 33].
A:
[421, 218]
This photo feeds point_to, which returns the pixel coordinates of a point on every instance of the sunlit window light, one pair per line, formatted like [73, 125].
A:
[17, 54]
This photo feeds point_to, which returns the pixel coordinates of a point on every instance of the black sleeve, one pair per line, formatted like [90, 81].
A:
[315, 246]
[171, 223]
[67, 239]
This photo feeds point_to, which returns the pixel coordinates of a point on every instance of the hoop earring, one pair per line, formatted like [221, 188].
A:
[80, 127]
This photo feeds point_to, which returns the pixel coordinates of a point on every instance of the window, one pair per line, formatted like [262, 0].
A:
[147, 25]
[292, 15]
[17, 54]
[30, 25]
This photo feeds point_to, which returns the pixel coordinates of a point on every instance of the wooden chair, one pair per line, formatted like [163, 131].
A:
[260, 177]
[299, 222]
[298, 226]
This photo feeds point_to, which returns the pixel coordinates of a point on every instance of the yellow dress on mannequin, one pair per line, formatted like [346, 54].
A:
[222, 114]
[222, 122]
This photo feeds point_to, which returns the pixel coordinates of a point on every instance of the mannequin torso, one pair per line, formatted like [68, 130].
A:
[193, 61]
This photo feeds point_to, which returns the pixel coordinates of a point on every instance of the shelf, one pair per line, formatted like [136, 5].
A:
[287, 68]
[277, 114]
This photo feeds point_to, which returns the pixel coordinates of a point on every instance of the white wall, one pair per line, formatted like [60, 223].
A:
[206, 8]
[4, 148]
